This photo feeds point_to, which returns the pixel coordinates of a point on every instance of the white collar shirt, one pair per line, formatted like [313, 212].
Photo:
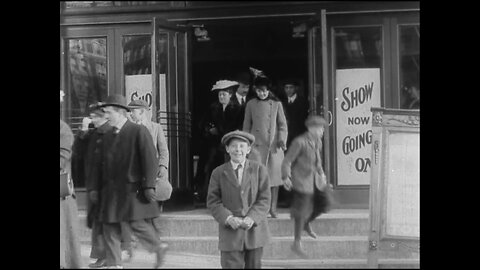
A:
[240, 170]
[240, 98]
[292, 98]
[121, 124]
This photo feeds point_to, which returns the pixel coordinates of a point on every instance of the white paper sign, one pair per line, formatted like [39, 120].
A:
[139, 87]
[357, 90]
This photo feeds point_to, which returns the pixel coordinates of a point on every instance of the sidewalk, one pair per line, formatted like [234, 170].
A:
[142, 259]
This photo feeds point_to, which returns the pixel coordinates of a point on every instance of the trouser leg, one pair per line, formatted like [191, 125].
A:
[127, 236]
[253, 258]
[98, 242]
[112, 236]
[146, 233]
[299, 225]
[232, 259]
[273, 203]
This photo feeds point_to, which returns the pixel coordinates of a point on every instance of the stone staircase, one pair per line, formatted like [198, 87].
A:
[342, 241]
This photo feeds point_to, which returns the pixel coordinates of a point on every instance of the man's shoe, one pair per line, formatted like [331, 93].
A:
[309, 231]
[100, 263]
[127, 254]
[161, 251]
[273, 214]
[297, 249]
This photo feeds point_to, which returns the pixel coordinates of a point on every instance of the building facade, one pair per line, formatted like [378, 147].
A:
[348, 56]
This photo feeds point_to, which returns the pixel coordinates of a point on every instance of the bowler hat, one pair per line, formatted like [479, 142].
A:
[138, 104]
[96, 108]
[315, 120]
[117, 101]
[242, 135]
[292, 81]
[243, 77]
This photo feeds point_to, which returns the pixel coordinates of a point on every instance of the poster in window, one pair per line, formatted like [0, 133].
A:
[357, 91]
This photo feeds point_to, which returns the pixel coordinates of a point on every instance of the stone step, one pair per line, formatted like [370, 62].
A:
[325, 247]
[336, 223]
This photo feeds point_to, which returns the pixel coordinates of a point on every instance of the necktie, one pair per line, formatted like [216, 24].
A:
[115, 130]
[237, 170]
[243, 101]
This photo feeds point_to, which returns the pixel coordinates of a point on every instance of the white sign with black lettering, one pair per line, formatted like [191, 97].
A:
[139, 87]
[357, 91]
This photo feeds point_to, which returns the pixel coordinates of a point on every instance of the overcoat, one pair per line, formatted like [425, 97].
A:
[265, 119]
[130, 165]
[300, 163]
[296, 113]
[70, 256]
[252, 198]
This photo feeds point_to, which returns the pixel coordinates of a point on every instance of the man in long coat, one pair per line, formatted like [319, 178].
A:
[128, 187]
[239, 199]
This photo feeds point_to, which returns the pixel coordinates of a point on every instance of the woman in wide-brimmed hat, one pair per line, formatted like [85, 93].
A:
[222, 117]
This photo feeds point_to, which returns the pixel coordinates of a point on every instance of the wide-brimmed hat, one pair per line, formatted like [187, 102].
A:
[315, 120]
[238, 134]
[224, 85]
[262, 81]
[117, 101]
[138, 104]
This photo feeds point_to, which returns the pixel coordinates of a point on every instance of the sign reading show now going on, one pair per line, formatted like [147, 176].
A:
[357, 90]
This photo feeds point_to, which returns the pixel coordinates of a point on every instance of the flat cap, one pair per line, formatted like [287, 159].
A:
[224, 84]
[96, 108]
[242, 135]
[138, 104]
[315, 120]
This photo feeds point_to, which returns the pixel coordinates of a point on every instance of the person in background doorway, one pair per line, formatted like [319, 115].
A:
[239, 199]
[140, 114]
[265, 119]
[70, 256]
[296, 109]
[222, 117]
[411, 96]
[242, 95]
[302, 171]
[88, 147]
[127, 191]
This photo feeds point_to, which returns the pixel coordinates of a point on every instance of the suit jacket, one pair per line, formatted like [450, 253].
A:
[265, 119]
[300, 164]
[251, 198]
[296, 113]
[160, 142]
[130, 165]
[241, 116]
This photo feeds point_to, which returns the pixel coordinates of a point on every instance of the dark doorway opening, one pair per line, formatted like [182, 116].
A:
[234, 46]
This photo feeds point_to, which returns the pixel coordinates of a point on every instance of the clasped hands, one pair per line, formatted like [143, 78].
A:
[236, 222]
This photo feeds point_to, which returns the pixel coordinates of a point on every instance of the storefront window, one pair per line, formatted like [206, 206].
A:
[409, 38]
[87, 69]
[358, 47]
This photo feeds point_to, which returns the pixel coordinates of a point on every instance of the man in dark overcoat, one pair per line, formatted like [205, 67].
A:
[242, 95]
[239, 199]
[296, 109]
[127, 191]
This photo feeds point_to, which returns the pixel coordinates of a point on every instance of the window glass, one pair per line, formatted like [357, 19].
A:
[137, 55]
[357, 47]
[409, 48]
[87, 70]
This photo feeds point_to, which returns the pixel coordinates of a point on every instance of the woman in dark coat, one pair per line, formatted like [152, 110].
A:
[222, 117]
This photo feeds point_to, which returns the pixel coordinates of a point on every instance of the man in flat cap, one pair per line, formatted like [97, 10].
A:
[239, 199]
[307, 179]
[127, 190]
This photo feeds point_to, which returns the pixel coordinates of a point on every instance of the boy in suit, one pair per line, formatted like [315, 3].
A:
[239, 199]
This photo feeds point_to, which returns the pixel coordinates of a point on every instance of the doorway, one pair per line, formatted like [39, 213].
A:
[233, 47]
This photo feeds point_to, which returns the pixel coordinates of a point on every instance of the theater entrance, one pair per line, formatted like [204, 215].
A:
[223, 49]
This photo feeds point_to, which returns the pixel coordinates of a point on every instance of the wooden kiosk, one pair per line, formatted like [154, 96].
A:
[395, 186]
